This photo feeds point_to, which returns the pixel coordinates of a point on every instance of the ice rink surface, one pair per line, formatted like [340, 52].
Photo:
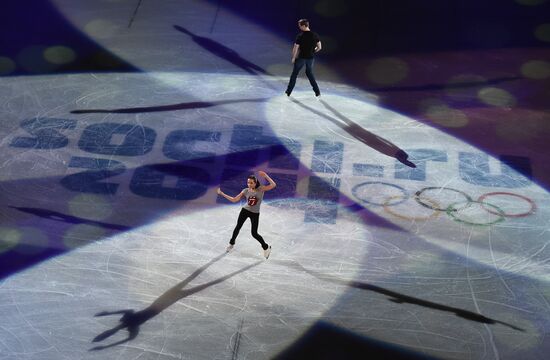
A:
[387, 232]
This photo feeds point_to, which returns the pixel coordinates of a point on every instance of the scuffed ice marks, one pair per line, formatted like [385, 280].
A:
[343, 211]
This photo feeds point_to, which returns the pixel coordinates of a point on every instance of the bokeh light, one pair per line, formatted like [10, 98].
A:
[81, 235]
[90, 207]
[415, 265]
[387, 71]
[32, 59]
[59, 55]
[7, 65]
[329, 8]
[9, 238]
[496, 97]
[542, 32]
[440, 113]
[32, 241]
[536, 69]
[464, 85]
[101, 29]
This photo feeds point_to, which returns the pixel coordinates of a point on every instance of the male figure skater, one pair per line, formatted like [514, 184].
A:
[307, 43]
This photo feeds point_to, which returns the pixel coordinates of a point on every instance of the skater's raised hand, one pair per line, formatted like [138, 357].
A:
[219, 191]
[270, 180]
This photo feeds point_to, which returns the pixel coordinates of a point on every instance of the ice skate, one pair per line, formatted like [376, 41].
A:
[267, 252]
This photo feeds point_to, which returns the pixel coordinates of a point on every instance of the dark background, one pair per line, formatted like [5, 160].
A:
[351, 28]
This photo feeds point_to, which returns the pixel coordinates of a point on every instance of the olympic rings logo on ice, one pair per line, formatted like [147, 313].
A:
[446, 200]
[193, 178]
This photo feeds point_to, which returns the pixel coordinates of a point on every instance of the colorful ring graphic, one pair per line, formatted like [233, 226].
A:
[356, 187]
[531, 203]
[452, 212]
[419, 199]
[411, 218]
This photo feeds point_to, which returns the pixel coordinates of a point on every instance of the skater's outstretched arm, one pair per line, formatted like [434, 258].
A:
[231, 198]
[272, 183]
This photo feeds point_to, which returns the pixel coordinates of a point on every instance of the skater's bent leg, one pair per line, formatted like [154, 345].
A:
[240, 222]
[255, 219]
[311, 76]
[298, 65]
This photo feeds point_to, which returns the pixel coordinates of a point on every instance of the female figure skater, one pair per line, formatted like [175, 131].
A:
[254, 195]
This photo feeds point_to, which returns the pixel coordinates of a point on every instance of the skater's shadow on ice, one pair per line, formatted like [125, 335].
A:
[57, 216]
[398, 297]
[223, 52]
[132, 320]
[171, 107]
[374, 141]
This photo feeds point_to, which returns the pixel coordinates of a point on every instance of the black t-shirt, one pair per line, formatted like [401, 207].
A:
[307, 41]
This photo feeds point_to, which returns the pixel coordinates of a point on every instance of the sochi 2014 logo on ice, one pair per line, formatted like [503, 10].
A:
[195, 170]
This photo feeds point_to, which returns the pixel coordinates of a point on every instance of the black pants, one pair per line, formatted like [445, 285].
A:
[255, 219]
[298, 65]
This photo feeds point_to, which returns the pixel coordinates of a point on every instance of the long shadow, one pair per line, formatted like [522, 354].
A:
[223, 52]
[372, 140]
[132, 320]
[227, 169]
[172, 107]
[400, 298]
[57, 216]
